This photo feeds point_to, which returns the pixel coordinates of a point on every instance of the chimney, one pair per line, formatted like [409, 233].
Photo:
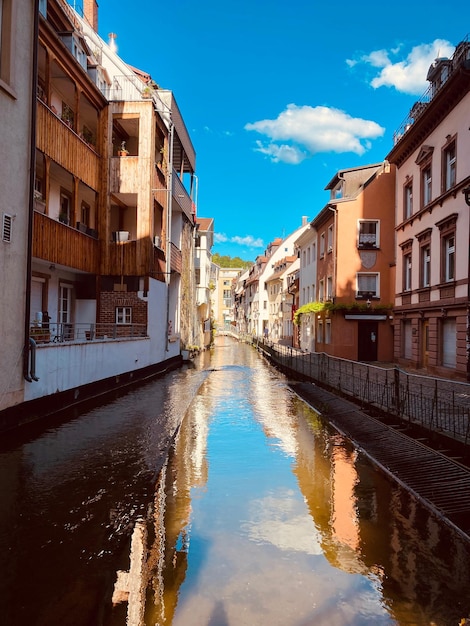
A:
[304, 220]
[90, 13]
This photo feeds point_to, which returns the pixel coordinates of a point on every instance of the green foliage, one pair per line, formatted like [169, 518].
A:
[318, 307]
[227, 261]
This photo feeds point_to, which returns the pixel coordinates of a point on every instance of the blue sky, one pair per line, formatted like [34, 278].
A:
[278, 96]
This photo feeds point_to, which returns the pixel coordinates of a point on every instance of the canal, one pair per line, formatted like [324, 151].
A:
[261, 513]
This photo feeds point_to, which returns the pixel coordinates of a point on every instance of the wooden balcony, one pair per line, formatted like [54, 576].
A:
[125, 174]
[56, 139]
[176, 259]
[62, 245]
[135, 258]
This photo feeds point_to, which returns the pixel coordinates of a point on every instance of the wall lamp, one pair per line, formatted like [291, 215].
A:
[466, 193]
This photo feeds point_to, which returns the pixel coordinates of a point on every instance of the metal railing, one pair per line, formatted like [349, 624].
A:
[58, 332]
[437, 404]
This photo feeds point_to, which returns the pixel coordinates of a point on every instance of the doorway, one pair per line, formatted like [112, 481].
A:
[367, 337]
[424, 343]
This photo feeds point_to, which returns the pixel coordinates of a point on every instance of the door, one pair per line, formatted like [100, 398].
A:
[424, 343]
[367, 340]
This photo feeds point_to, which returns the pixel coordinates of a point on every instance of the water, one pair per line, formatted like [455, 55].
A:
[264, 514]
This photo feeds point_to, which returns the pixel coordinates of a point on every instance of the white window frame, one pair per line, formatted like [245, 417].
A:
[65, 296]
[322, 245]
[367, 239]
[123, 315]
[329, 287]
[321, 290]
[450, 166]
[330, 238]
[426, 178]
[449, 258]
[408, 200]
[369, 277]
[407, 271]
[426, 265]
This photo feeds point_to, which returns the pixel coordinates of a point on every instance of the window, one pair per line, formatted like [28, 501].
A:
[322, 245]
[408, 200]
[123, 315]
[321, 291]
[328, 331]
[65, 207]
[448, 343]
[368, 234]
[425, 269]
[449, 258]
[407, 272]
[329, 288]
[7, 221]
[330, 238]
[6, 30]
[448, 227]
[308, 255]
[367, 285]
[320, 331]
[449, 166]
[426, 183]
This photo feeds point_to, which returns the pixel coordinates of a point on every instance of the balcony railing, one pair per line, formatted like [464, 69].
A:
[181, 196]
[56, 139]
[59, 333]
[461, 56]
[176, 259]
[63, 245]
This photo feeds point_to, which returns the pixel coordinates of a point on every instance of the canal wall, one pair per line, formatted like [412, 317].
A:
[108, 376]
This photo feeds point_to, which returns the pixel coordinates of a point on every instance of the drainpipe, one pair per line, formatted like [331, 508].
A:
[32, 172]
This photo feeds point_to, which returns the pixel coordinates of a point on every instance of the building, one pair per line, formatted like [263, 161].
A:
[279, 301]
[306, 246]
[224, 301]
[432, 156]
[112, 289]
[355, 255]
[204, 280]
[18, 33]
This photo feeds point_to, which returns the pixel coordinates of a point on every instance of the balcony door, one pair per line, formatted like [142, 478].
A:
[65, 311]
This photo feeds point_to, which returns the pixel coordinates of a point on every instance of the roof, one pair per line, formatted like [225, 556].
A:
[204, 223]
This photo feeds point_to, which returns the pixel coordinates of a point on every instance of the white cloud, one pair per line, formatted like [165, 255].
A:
[247, 241]
[309, 130]
[406, 74]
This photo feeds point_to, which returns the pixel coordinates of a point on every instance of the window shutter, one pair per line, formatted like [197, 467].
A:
[6, 227]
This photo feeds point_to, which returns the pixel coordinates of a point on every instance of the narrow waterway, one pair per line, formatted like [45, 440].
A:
[262, 515]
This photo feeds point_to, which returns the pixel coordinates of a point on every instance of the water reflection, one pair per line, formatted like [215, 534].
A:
[272, 518]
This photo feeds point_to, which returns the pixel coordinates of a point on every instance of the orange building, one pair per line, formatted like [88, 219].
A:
[355, 258]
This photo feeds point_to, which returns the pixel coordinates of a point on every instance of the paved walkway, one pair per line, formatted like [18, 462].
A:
[439, 482]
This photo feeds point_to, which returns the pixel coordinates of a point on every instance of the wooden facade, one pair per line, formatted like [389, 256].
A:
[58, 141]
[62, 245]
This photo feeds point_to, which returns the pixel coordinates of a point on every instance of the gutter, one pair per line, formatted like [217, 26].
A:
[32, 173]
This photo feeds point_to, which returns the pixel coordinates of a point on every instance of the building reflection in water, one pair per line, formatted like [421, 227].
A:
[404, 565]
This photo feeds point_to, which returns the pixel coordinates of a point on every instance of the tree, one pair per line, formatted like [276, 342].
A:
[227, 261]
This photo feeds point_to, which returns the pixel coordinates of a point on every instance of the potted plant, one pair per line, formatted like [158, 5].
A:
[123, 150]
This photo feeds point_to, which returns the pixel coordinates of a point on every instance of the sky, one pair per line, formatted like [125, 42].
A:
[279, 96]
